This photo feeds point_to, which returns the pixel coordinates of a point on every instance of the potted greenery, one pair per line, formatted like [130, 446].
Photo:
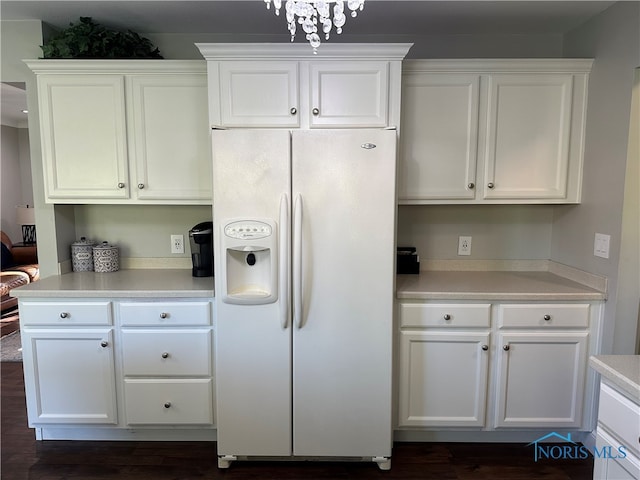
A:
[88, 39]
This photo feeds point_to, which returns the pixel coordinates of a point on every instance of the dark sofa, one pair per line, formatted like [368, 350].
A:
[19, 267]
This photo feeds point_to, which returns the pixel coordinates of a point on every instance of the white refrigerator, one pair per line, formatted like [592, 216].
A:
[304, 232]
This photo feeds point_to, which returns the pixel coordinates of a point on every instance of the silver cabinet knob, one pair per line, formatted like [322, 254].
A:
[165, 355]
[447, 316]
[506, 348]
[164, 315]
[471, 185]
[547, 317]
[104, 344]
[293, 110]
[485, 347]
[141, 186]
[121, 185]
[167, 404]
[315, 111]
[490, 185]
[64, 315]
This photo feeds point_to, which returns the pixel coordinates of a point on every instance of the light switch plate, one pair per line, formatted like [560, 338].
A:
[601, 245]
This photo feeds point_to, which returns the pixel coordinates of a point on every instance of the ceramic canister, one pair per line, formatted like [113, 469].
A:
[106, 258]
[82, 255]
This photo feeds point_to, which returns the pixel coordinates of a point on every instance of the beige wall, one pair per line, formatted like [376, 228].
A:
[613, 40]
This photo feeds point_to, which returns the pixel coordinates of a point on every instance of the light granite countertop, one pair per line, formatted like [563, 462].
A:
[492, 285]
[621, 370]
[169, 283]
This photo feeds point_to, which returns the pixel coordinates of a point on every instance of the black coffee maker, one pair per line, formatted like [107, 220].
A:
[201, 240]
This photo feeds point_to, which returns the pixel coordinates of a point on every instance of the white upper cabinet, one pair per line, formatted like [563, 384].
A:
[528, 135]
[124, 131]
[489, 131]
[83, 133]
[273, 85]
[258, 94]
[170, 138]
[346, 94]
[439, 136]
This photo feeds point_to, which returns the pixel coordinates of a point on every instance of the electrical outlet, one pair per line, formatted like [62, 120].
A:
[177, 243]
[601, 245]
[464, 245]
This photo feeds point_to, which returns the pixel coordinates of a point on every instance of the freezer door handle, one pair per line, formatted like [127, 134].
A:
[297, 261]
[283, 279]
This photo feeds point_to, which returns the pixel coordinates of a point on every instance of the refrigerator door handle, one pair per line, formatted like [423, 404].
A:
[297, 262]
[284, 261]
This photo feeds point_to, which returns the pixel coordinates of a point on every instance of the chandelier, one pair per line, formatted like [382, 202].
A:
[314, 14]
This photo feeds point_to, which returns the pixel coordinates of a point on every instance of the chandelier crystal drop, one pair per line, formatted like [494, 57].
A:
[313, 15]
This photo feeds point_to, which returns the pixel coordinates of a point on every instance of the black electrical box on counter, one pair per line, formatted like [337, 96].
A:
[407, 261]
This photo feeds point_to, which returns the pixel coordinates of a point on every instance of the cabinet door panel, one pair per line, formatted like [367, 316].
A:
[84, 137]
[541, 379]
[443, 378]
[528, 136]
[69, 376]
[353, 94]
[439, 136]
[259, 94]
[170, 140]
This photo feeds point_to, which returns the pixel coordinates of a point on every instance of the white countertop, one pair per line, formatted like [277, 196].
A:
[621, 370]
[172, 283]
[492, 285]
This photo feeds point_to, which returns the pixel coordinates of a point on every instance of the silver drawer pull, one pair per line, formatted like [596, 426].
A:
[164, 315]
[447, 316]
[547, 317]
[165, 355]
[64, 315]
[167, 405]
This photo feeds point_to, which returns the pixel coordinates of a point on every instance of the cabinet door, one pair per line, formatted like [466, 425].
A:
[83, 129]
[69, 376]
[349, 94]
[443, 378]
[439, 135]
[170, 139]
[541, 377]
[259, 94]
[528, 136]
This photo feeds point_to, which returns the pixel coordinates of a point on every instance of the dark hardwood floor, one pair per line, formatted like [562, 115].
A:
[24, 458]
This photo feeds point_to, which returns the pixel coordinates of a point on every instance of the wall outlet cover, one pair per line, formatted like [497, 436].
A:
[177, 243]
[464, 245]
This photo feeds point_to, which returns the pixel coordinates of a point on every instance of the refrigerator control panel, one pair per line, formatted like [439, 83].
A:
[247, 229]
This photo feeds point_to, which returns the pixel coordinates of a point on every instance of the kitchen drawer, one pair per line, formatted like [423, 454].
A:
[162, 402]
[65, 313]
[543, 315]
[168, 352]
[620, 417]
[165, 313]
[444, 315]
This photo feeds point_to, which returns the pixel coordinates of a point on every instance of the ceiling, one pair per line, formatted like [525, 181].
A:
[386, 17]
[379, 16]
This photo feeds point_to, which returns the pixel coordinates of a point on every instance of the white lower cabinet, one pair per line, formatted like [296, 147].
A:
[493, 366]
[118, 365]
[167, 363]
[617, 454]
[69, 368]
[540, 379]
